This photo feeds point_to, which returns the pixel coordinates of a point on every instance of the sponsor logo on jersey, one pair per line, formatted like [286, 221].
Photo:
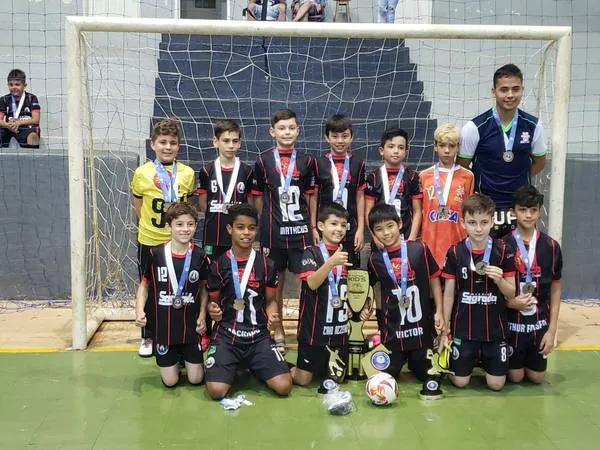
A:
[309, 262]
[525, 137]
[241, 187]
[471, 298]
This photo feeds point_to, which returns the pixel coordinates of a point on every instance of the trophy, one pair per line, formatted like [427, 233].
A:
[336, 367]
[358, 294]
[440, 366]
[376, 360]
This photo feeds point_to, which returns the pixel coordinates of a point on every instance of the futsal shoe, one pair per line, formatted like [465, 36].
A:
[145, 349]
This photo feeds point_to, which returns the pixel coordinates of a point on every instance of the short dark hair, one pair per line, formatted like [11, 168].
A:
[391, 133]
[332, 209]
[338, 123]
[508, 70]
[17, 75]
[383, 212]
[222, 126]
[168, 126]
[282, 114]
[241, 209]
[478, 203]
[180, 209]
[528, 196]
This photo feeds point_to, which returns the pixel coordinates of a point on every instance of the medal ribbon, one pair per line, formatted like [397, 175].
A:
[339, 185]
[285, 182]
[388, 195]
[17, 110]
[226, 197]
[168, 183]
[177, 287]
[333, 282]
[442, 196]
[486, 253]
[403, 267]
[240, 286]
[528, 256]
[510, 140]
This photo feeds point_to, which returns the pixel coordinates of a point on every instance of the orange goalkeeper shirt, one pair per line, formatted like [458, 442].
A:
[440, 231]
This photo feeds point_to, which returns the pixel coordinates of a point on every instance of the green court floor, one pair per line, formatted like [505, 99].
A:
[116, 401]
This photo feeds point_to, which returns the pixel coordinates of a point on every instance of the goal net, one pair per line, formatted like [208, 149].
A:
[123, 74]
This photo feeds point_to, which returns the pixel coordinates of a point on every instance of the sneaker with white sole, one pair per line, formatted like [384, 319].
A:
[145, 348]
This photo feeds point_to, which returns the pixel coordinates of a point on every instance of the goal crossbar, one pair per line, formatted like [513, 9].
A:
[76, 81]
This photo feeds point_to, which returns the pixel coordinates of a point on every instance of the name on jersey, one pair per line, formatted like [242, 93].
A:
[334, 331]
[288, 231]
[479, 299]
[244, 333]
[165, 299]
[12, 119]
[412, 332]
[527, 327]
[451, 216]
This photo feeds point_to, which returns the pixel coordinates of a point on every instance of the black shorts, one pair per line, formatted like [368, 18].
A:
[167, 356]
[286, 258]
[20, 136]
[526, 355]
[504, 223]
[417, 360]
[315, 358]
[215, 251]
[466, 355]
[262, 359]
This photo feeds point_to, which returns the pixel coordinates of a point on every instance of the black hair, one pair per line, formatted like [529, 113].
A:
[241, 209]
[391, 133]
[331, 209]
[16, 74]
[383, 212]
[508, 70]
[338, 123]
[528, 196]
[282, 114]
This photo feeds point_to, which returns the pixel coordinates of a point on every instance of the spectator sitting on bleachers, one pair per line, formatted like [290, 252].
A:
[311, 10]
[275, 10]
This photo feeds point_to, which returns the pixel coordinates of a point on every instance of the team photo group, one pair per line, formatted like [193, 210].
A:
[457, 264]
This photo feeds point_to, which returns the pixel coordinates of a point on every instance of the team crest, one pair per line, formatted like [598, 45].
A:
[266, 251]
[455, 352]
[241, 187]
[194, 276]
[525, 138]
[162, 349]
[210, 361]
[511, 351]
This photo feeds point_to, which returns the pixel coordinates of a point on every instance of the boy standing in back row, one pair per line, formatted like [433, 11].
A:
[283, 182]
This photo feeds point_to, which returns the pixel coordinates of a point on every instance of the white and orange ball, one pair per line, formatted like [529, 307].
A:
[382, 389]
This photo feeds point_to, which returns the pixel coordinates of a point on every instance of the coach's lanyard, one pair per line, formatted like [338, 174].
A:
[287, 179]
[486, 253]
[527, 255]
[442, 196]
[509, 141]
[176, 286]
[339, 185]
[168, 183]
[240, 286]
[226, 196]
[390, 196]
[17, 110]
[333, 282]
[403, 267]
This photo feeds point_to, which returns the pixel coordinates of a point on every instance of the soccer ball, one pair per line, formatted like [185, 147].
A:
[382, 389]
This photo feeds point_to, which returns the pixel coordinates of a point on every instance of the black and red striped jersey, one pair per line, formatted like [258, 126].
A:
[355, 182]
[175, 326]
[215, 222]
[249, 324]
[284, 225]
[545, 270]
[9, 106]
[320, 323]
[409, 189]
[412, 325]
[479, 309]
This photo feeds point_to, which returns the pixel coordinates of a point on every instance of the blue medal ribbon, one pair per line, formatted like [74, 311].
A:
[486, 253]
[403, 267]
[438, 185]
[333, 282]
[186, 270]
[290, 170]
[508, 146]
[167, 182]
[235, 275]
[337, 196]
[524, 255]
[396, 185]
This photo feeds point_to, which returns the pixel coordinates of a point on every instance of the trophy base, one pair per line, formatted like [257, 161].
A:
[431, 395]
[431, 389]
[356, 376]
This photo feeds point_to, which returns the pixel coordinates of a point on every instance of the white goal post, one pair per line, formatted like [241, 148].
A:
[84, 327]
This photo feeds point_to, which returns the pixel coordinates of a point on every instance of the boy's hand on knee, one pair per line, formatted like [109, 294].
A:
[140, 319]
[214, 311]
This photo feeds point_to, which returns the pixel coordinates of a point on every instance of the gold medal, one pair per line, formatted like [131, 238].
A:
[404, 301]
[528, 288]
[480, 267]
[239, 304]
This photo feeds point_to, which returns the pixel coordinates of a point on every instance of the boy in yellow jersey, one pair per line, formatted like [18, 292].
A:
[155, 185]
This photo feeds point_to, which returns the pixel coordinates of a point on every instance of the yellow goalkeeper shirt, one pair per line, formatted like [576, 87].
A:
[146, 185]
